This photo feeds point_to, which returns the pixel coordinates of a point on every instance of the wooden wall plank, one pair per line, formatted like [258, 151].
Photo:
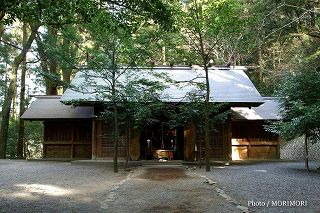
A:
[67, 139]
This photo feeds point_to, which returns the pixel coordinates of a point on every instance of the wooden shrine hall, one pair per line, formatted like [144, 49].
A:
[77, 132]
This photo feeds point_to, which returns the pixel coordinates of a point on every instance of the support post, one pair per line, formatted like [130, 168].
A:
[229, 140]
[94, 141]
[72, 144]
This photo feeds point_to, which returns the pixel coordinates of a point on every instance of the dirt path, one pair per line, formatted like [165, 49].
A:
[165, 189]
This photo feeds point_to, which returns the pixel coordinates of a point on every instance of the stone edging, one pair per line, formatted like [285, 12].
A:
[223, 194]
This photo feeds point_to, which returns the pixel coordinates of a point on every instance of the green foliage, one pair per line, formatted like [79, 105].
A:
[194, 112]
[48, 11]
[60, 13]
[136, 98]
[277, 37]
[3, 84]
[115, 49]
[68, 51]
[159, 11]
[212, 29]
[33, 139]
[12, 138]
[140, 114]
[7, 54]
[301, 106]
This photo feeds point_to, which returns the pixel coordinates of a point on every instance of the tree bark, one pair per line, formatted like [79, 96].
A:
[115, 107]
[48, 66]
[53, 65]
[66, 78]
[115, 112]
[43, 59]
[9, 94]
[66, 72]
[207, 120]
[306, 138]
[22, 99]
[1, 26]
[116, 138]
[260, 63]
[14, 104]
[127, 145]
[207, 102]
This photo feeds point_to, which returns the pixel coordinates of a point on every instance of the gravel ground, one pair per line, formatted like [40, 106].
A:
[62, 187]
[54, 186]
[265, 187]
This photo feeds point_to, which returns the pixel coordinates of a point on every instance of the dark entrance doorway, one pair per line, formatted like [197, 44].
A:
[160, 142]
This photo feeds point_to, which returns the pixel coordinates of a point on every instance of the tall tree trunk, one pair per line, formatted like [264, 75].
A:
[306, 138]
[43, 59]
[115, 107]
[207, 120]
[1, 24]
[260, 64]
[48, 64]
[66, 78]
[53, 65]
[14, 103]
[66, 72]
[22, 99]
[116, 138]
[207, 102]
[127, 144]
[9, 94]
[115, 114]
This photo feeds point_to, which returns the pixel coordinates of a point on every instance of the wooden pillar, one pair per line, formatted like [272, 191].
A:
[228, 142]
[44, 147]
[94, 142]
[72, 141]
[278, 148]
[98, 133]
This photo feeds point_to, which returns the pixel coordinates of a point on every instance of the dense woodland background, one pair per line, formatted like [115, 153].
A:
[43, 43]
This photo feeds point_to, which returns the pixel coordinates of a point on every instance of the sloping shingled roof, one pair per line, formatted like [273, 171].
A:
[269, 110]
[50, 107]
[226, 85]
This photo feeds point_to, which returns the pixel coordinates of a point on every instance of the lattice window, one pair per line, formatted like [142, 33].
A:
[107, 140]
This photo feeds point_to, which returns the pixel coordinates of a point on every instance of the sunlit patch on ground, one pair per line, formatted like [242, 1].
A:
[23, 195]
[260, 170]
[42, 189]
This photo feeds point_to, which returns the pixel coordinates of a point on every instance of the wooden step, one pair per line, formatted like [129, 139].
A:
[156, 162]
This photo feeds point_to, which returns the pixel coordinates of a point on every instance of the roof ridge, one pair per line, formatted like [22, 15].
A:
[46, 96]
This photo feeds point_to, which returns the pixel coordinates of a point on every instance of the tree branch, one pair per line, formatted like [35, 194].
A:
[312, 34]
[10, 44]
